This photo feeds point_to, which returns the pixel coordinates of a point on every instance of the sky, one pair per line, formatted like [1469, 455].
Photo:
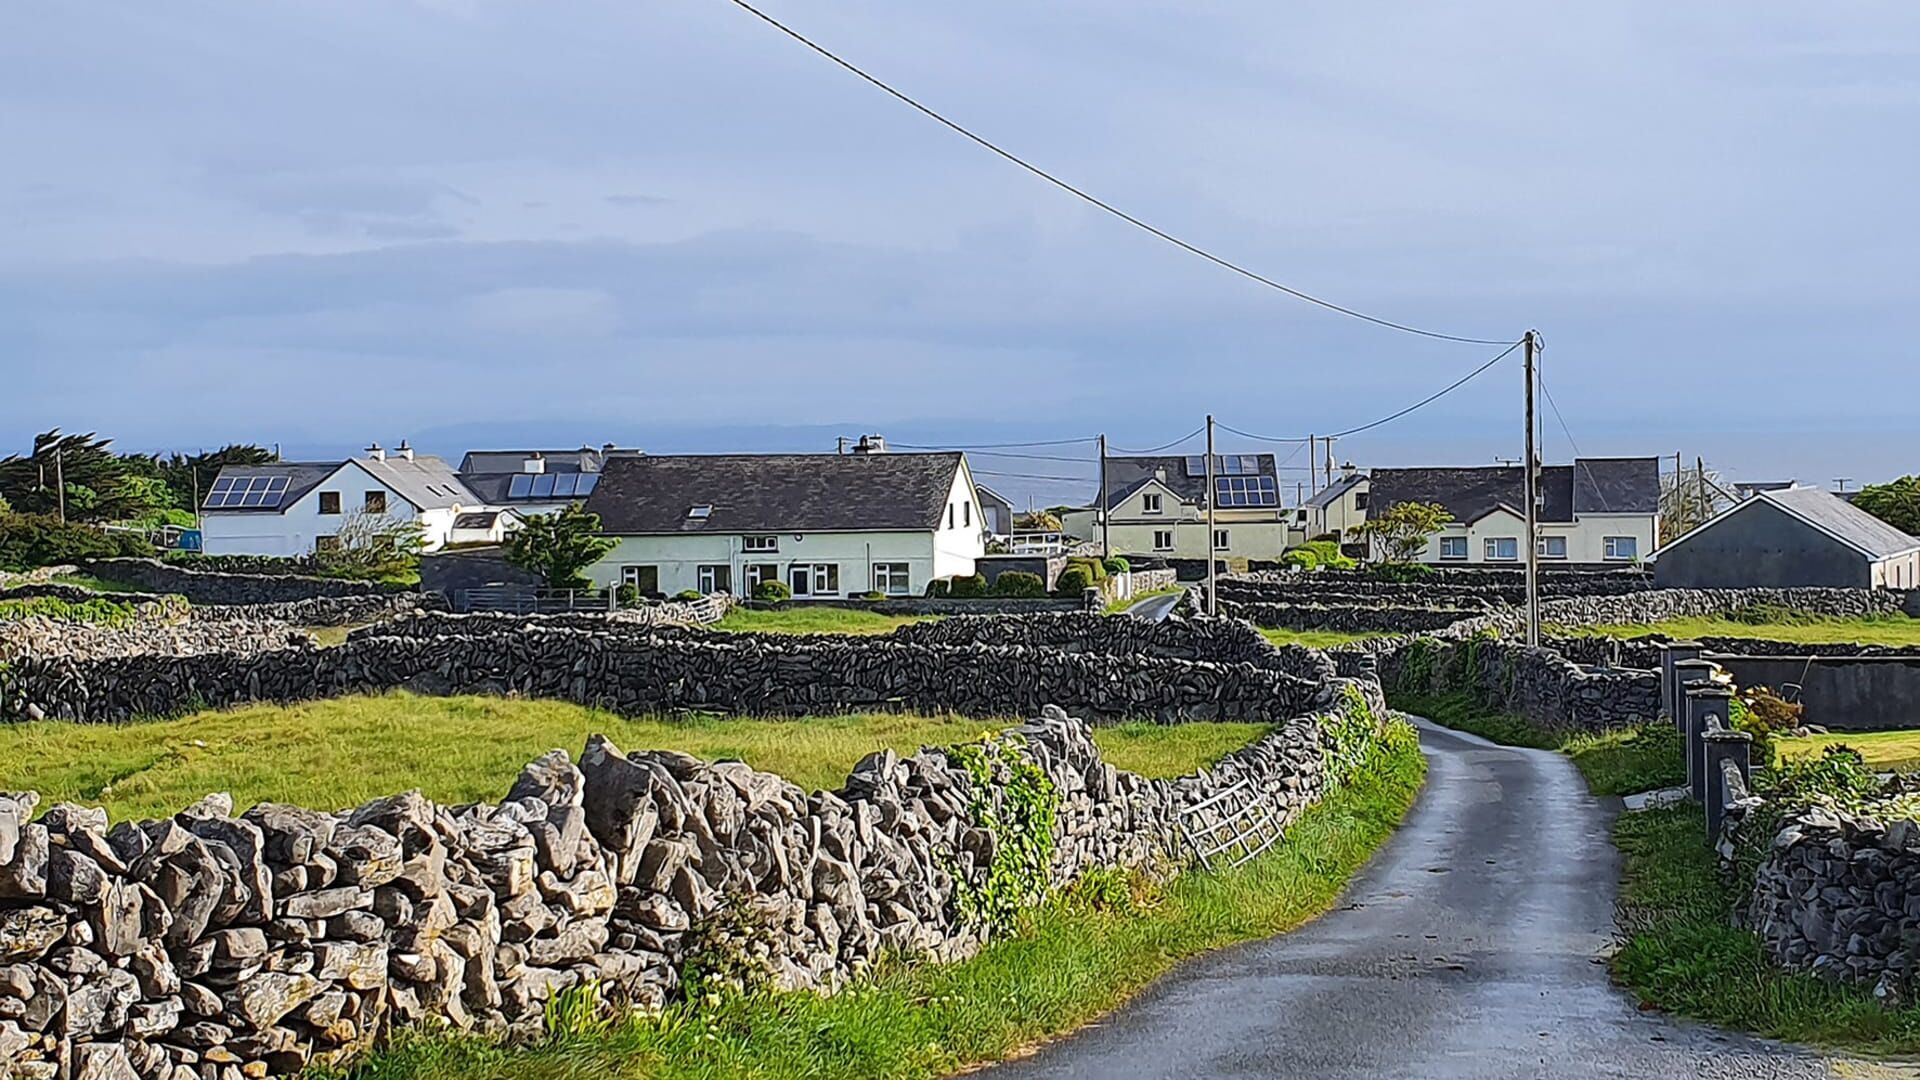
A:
[475, 223]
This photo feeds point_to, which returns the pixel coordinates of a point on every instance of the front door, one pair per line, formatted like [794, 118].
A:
[801, 579]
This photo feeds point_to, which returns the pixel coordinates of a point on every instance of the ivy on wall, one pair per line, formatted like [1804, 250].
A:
[1019, 826]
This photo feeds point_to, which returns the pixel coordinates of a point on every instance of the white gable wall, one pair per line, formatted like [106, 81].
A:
[292, 531]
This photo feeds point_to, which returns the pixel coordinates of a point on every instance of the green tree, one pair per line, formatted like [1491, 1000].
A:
[373, 547]
[1401, 533]
[559, 546]
[1896, 503]
[186, 474]
[85, 463]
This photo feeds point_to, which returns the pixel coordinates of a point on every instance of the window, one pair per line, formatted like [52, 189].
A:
[891, 578]
[966, 513]
[328, 543]
[759, 572]
[814, 579]
[760, 543]
[329, 502]
[1553, 547]
[1300, 516]
[1453, 547]
[376, 502]
[644, 578]
[699, 511]
[1623, 547]
[1360, 501]
[1150, 504]
[715, 578]
[949, 515]
[1219, 539]
[1503, 549]
[1163, 539]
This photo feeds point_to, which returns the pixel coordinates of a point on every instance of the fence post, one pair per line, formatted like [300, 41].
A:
[1685, 674]
[1724, 745]
[1671, 654]
[1704, 700]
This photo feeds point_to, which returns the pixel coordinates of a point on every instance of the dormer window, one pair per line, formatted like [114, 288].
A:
[699, 511]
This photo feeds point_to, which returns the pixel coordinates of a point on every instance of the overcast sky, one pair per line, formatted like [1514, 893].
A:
[661, 223]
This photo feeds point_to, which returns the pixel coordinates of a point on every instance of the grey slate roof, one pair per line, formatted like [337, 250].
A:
[1875, 538]
[1331, 494]
[774, 493]
[1126, 475]
[302, 477]
[1588, 486]
[577, 459]
[426, 482]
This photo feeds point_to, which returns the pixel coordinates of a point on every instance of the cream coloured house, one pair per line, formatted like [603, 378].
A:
[1156, 506]
[1596, 511]
[827, 525]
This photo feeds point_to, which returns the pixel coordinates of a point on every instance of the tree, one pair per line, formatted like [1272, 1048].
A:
[1401, 533]
[559, 546]
[186, 474]
[1038, 521]
[373, 547]
[84, 463]
[1688, 498]
[1896, 503]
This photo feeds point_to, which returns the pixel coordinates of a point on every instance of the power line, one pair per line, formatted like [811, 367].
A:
[1002, 454]
[1578, 457]
[1003, 445]
[1092, 200]
[1163, 446]
[1257, 438]
[1426, 401]
[1035, 476]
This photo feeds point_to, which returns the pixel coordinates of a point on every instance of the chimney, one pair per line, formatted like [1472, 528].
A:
[1160, 474]
[405, 450]
[1349, 471]
[871, 444]
[375, 452]
[534, 464]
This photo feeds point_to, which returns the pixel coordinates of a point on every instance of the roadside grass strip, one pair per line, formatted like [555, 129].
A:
[1073, 959]
[1621, 762]
[813, 620]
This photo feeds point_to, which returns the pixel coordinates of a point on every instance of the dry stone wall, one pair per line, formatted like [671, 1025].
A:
[1347, 618]
[215, 587]
[1537, 684]
[211, 945]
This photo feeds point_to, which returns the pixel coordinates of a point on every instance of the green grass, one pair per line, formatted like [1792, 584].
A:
[1074, 960]
[344, 751]
[1808, 630]
[814, 620]
[88, 581]
[1884, 751]
[1619, 762]
[93, 610]
[1679, 953]
[1319, 639]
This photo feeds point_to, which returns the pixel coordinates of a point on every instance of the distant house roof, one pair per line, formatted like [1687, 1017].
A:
[1827, 512]
[988, 495]
[578, 459]
[1331, 494]
[426, 482]
[500, 477]
[770, 493]
[1185, 476]
[1588, 486]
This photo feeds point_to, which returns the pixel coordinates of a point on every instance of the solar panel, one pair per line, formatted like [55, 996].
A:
[543, 486]
[1243, 491]
[519, 486]
[585, 485]
[1197, 465]
[563, 485]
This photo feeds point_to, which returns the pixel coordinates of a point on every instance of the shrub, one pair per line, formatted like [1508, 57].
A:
[1114, 564]
[1096, 572]
[938, 588]
[1299, 559]
[689, 594]
[28, 541]
[1406, 573]
[971, 587]
[1019, 583]
[772, 592]
[627, 596]
[873, 594]
[1073, 581]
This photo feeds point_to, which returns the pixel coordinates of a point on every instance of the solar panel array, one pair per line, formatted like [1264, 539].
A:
[1224, 465]
[246, 492]
[552, 485]
[1245, 491]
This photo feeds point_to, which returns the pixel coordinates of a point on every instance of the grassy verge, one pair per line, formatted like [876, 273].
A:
[1319, 639]
[1613, 762]
[1884, 751]
[88, 581]
[93, 610]
[1679, 953]
[1804, 629]
[343, 751]
[1119, 607]
[814, 620]
[1073, 960]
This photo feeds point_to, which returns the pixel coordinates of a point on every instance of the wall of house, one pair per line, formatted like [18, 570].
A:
[1585, 539]
[956, 547]
[1898, 573]
[1343, 514]
[680, 557]
[1248, 537]
[1761, 546]
[292, 532]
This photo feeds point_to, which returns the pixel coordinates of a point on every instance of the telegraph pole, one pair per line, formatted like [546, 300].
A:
[1213, 602]
[60, 480]
[1106, 541]
[1533, 499]
[1313, 464]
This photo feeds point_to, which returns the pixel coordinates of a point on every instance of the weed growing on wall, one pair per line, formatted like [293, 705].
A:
[101, 611]
[1019, 827]
[730, 952]
[1348, 736]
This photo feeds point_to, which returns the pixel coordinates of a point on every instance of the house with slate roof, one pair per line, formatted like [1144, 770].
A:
[1790, 537]
[828, 525]
[1156, 505]
[296, 508]
[536, 481]
[1596, 511]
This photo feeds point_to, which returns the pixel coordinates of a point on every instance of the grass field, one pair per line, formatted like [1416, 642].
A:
[814, 620]
[1073, 960]
[1812, 630]
[1318, 639]
[1885, 751]
[88, 581]
[1613, 762]
[341, 752]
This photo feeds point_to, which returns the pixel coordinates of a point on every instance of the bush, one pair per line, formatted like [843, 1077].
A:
[28, 541]
[968, 588]
[627, 596]
[1406, 573]
[689, 594]
[1763, 714]
[1113, 565]
[1019, 583]
[938, 588]
[1073, 581]
[1096, 571]
[772, 592]
[1299, 559]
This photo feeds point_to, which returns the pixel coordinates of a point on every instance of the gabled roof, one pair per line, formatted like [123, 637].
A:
[1616, 485]
[774, 493]
[1332, 493]
[577, 459]
[1827, 512]
[988, 495]
[302, 477]
[1184, 475]
[426, 482]
[1588, 486]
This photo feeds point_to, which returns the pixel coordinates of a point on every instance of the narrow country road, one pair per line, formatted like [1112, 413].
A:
[1154, 608]
[1468, 948]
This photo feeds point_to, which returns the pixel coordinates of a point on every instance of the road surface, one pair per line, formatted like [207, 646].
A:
[1469, 947]
[1155, 608]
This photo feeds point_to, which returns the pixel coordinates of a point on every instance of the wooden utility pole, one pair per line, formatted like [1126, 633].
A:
[60, 480]
[1533, 499]
[1213, 601]
[1313, 462]
[1106, 511]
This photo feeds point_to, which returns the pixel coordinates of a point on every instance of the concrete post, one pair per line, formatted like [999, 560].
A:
[1686, 672]
[1723, 745]
[1703, 700]
[1672, 654]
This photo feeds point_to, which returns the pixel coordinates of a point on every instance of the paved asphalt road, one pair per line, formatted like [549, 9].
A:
[1468, 948]
[1154, 608]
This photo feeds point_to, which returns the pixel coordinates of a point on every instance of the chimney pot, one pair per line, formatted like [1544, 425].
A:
[376, 452]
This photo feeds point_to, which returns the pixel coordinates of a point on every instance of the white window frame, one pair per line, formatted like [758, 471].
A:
[1150, 503]
[1494, 544]
[1613, 545]
[760, 545]
[1546, 547]
[893, 578]
[1160, 544]
[707, 576]
[816, 575]
[1453, 548]
[1221, 540]
[630, 574]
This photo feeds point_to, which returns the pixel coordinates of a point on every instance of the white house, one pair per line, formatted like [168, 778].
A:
[295, 508]
[1157, 506]
[1594, 511]
[1337, 508]
[828, 525]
